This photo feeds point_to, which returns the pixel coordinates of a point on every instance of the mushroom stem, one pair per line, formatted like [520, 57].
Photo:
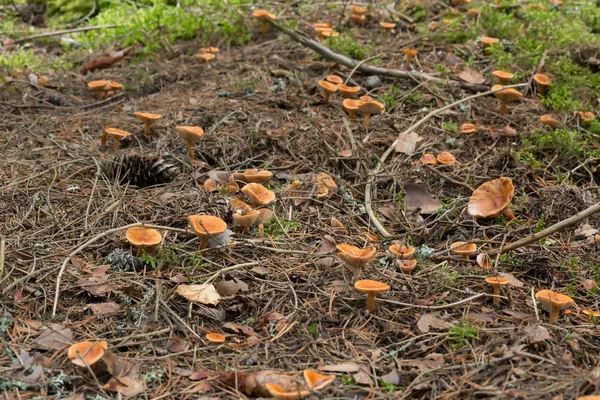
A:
[190, 148]
[203, 242]
[356, 271]
[371, 302]
[261, 230]
[509, 214]
[542, 90]
[263, 27]
[407, 62]
[146, 128]
[325, 98]
[115, 143]
[104, 140]
[496, 298]
[504, 108]
[139, 251]
[352, 114]
[367, 119]
[554, 314]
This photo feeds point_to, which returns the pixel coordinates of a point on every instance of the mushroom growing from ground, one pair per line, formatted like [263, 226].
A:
[407, 266]
[550, 121]
[358, 10]
[428, 158]
[355, 258]
[463, 249]
[278, 392]
[190, 135]
[148, 119]
[553, 302]
[115, 87]
[206, 227]
[351, 106]
[468, 128]
[116, 134]
[506, 96]
[245, 220]
[446, 158]
[205, 58]
[326, 186]
[502, 76]
[357, 19]
[85, 354]
[543, 82]
[370, 108]
[262, 16]
[402, 251]
[258, 194]
[253, 176]
[409, 54]
[336, 80]
[143, 238]
[487, 42]
[371, 289]
[98, 87]
[215, 337]
[317, 381]
[327, 88]
[348, 91]
[265, 216]
[495, 282]
[387, 27]
[492, 198]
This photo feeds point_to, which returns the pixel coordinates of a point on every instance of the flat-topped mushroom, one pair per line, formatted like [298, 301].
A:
[330, 33]
[463, 249]
[336, 80]
[468, 128]
[446, 158]
[553, 302]
[428, 159]
[351, 106]
[488, 41]
[98, 87]
[258, 194]
[402, 251]
[543, 82]
[215, 337]
[355, 258]
[205, 58]
[143, 238]
[253, 176]
[409, 54]
[190, 135]
[327, 88]
[116, 134]
[279, 392]
[550, 121]
[506, 96]
[348, 91]
[115, 87]
[407, 266]
[492, 198]
[148, 119]
[86, 353]
[495, 282]
[387, 27]
[371, 289]
[370, 108]
[245, 220]
[317, 381]
[206, 227]
[262, 16]
[357, 19]
[503, 76]
[358, 10]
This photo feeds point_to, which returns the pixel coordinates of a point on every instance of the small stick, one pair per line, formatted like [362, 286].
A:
[230, 268]
[537, 315]
[64, 32]
[442, 307]
[2, 254]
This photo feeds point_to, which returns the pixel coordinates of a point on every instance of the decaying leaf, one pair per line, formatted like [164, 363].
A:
[56, 336]
[419, 197]
[253, 383]
[472, 76]
[512, 281]
[104, 308]
[432, 321]
[536, 333]
[228, 288]
[177, 345]
[205, 294]
[407, 143]
[431, 361]
[126, 386]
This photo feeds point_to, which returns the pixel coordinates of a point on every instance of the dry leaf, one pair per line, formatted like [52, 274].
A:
[536, 334]
[480, 318]
[118, 366]
[518, 315]
[362, 378]
[586, 230]
[199, 375]
[56, 336]
[128, 387]
[432, 361]
[199, 387]
[343, 367]
[228, 288]
[407, 143]
[589, 284]
[512, 281]
[178, 345]
[104, 308]
[432, 321]
[419, 197]
[392, 377]
[471, 76]
[205, 294]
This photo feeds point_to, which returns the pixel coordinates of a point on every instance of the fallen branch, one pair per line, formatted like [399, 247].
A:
[440, 307]
[64, 32]
[411, 129]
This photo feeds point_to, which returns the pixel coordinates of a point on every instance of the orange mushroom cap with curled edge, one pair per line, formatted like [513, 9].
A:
[348, 91]
[492, 198]
[356, 258]
[550, 121]
[215, 337]
[506, 96]
[553, 302]
[142, 237]
[148, 119]
[327, 88]
[371, 289]
[253, 176]
[387, 27]
[317, 381]
[262, 16]
[258, 194]
[357, 19]
[351, 106]
[463, 249]
[370, 108]
[206, 227]
[495, 282]
[428, 158]
[98, 86]
[91, 352]
[278, 392]
[488, 41]
[245, 220]
[502, 76]
[336, 80]
[543, 82]
[116, 134]
[446, 158]
[190, 135]
[402, 251]
[407, 266]
[468, 128]
[358, 10]
[205, 58]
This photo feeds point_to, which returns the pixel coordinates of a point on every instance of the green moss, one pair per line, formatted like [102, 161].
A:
[347, 46]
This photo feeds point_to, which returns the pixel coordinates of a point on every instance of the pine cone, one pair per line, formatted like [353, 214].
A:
[139, 171]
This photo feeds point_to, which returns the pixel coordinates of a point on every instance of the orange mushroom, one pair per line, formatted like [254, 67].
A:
[327, 88]
[402, 251]
[253, 176]
[142, 238]
[317, 381]
[206, 227]
[115, 87]
[358, 10]
[326, 186]
[502, 76]
[245, 220]
[98, 87]
[357, 19]
[428, 159]
[336, 80]
[190, 135]
[446, 158]
[495, 282]
[278, 392]
[492, 198]
[215, 337]
[352, 107]
[371, 289]
[355, 258]
[488, 42]
[553, 302]
[370, 108]
[262, 16]
[348, 91]
[410, 54]
[205, 58]
[86, 353]
[463, 249]
[468, 128]
[543, 82]
[387, 27]
[506, 96]
[116, 134]
[258, 194]
[407, 266]
[550, 121]
[148, 119]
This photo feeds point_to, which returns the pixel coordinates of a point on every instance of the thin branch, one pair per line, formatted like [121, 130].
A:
[440, 307]
[64, 32]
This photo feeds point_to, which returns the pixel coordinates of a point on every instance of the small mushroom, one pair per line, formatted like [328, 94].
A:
[210, 185]
[258, 194]
[352, 107]
[484, 261]
[215, 337]
[348, 91]
[85, 353]
[446, 158]
[357, 19]
[190, 135]
[428, 159]
[506, 96]
[402, 251]
[205, 58]
[463, 249]
[98, 87]
[326, 186]
[262, 16]
[550, 121]
[265, 216]
[245, 220]
[355, 258]
[370, 108]
[322, 32]
[553, 302]
[142, 238]
[585, 116]
[358, 10]
[492, 198]
[407, 266]
[336, 80]
[459, 3]
[253, 176]
[543, 82]
[115, 87]
[468, 128]
[148, 119]
[503, 76]
[371, 289]
[294, 392]
[330, 33]
[387, 27]
[474, 13]
[495, 282]
[327, 88]
[365, 99]
[116, 134]
[593, 315]
[409, 54]
[206, 227]
[317, 381]
[488, 42]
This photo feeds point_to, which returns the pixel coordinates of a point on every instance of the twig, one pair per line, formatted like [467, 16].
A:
[446, 177]
[94, 239]
[549, 231]
[537, 315]
[444, 306]
[412, 128]
[2, 253]
[230, 268]
[64, 32]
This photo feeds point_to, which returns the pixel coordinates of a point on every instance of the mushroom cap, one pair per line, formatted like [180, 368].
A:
[402, 251]
[253, 176]
[263, 14]
[239, 206]
[550, 120]
[446, 158]
[592, 397]
[212, 50]
[317, 381]
[371, 107]
[474, 12]
[428, 159]
[506, 95]
[215, 337]
[552, 300]
[484, 261]
[486, 40]
[358, 10]
[330, 33]
[118, 133]
[334, 79]
[407, 265]
[143, 237]
[325, 25]
[367, 286]
[97, 85]
[463, 248]
[387, 25]
[115, 85]
[91, 352]
[327, 87]
[265, 215]
[496, 281]
[207, 225]
[365, 98]
[355, 256]
[585, 115]
[542, 79]
[245, 220]
[357, 18]
[503, 75]
[280, 393]
[351, 105]
[205, 57]
[491, 198]
[190, 133]
[467, 128]
[409, 52]
[348, 91]
[142, 116]
[259, 194]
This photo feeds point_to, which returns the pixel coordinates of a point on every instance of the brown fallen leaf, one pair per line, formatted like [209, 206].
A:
[104, 308]
[518, 315]
[178, 345]
[205, 294]
[392, 377]
[253, 383]
[512, 281]
[227, 288]
[431, 361]
[481, 318]
[199, 375]
[56, 336]
[471, 76]
[362, 378]
[407, 143]
[536, 333]
[118, 366]
[128, 387]
[419, 197]
[199, 387]
[432, 320]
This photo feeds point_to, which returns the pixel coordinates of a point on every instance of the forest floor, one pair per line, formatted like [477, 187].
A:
[287, 302]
